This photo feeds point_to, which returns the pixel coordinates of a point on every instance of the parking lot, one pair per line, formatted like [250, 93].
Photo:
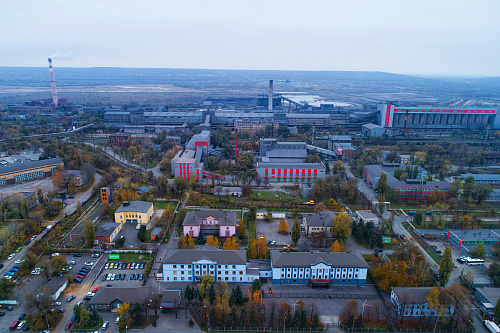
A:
[270, 230]
[122, 274]
[129, 231]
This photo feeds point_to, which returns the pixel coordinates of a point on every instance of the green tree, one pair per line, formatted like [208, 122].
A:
[141, 234]
[478, 251]
[497, 309]
[415, 172]
[494, 273]
[77, 310]
[89, 233]
[6, 287]
[212, 163]
[419, 218]
[201, 239]
[398, 173]
[84, 318]
[296, 231]
[445, 267]
[256, 285]
[382, 183]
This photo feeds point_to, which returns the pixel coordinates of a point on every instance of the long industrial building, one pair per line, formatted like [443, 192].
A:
[22, 172]
[438, 118]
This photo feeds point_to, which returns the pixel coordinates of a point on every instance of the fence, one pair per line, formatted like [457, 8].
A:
[368, 330]
[319, 295]
[267, 329]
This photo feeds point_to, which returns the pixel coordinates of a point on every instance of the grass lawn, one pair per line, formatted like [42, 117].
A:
[252, 233]
[271, 195]
[132, 257]
[94, 328]
[164, 204]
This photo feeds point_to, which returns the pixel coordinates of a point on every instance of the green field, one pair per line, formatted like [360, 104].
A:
[164, 204]
[271, 195]
[132, 257]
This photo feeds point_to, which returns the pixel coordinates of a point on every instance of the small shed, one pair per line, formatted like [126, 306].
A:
[278, 215]
[170, 299]
[367, 216]
[154, 233]
[260, 214]
[56, 285]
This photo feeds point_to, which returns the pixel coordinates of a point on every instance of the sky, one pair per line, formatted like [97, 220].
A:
[438, 37]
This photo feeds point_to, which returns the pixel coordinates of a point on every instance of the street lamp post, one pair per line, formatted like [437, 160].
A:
[284, 324]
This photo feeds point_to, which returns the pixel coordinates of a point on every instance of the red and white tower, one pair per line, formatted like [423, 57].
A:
[53, 84]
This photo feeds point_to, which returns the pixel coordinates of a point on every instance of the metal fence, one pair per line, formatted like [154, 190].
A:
[368, 330]
[319, 295]
[267, 329]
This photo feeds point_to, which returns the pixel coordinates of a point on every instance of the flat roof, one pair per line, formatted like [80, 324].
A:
[366, 214]
[135, 206]
[106, 229]
[492, 294]
[484, 176]
[229, 257]
[307, 259]
[13, 167]
[412, 295]
[477, 235]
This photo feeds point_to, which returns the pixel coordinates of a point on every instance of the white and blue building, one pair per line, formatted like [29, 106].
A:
[318, 268]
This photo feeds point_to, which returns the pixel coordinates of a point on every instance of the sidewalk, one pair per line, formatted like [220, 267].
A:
[167, 323]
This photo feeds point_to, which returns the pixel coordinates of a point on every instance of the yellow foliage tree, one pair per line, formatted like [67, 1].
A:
[256, 296]
[283, 228]
[231, 244]
[182, 244]
[242, 227]
[122, 309]
[190, 243]
[211, 240]
[252, 249]
[337, 247]
[261, 248]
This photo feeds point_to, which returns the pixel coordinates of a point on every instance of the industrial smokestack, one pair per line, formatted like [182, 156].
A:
[270, 106]
[53, 84]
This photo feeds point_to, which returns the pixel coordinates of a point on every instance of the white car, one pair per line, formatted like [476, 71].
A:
[71, 262]
[7, 277]
[19, 261]
[95, 255]
[58, 303]
[105, 325]
[36, 271]
[90, 293]
[33, 238]
[55, 255]
[89, 263]
[11, 256]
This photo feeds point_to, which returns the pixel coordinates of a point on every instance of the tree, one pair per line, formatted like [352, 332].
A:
[494, 273]
[57, 179]
[436, 196]
[419, 218]
[283, 228]
[39, 304]
[445, 267]
[84, 318]
[342, 226]
[141, 234]
[497, 309]
[206, 283]
[261, 248]
[382, 183]
[58, 263]
[230, 244]
[122, 309]
[180, 185]
[337, 247]
[79, 207]
[252, 249]
[211, 240]
[6, 287]
[201, 239]
[478, 251]
[295, 231]
[241, 227]
[77, 310]
[350, 311]
[397, 173]
[455, 188]
[89, 233]
[434, 299]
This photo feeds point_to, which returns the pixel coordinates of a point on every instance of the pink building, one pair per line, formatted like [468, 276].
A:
[210, 222]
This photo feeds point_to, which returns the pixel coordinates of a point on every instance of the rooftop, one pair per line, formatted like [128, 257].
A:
[229, 257]
[135, 206]
[477, 235]
[106, 295]
[224, 217]
[366, 215]
[371, 126]
[307, 259]
[484, 176]
[492, 294]
[55, 283]
[322, 219]
[106, 229]
[12, 167]
[340, 137]
[412, 295]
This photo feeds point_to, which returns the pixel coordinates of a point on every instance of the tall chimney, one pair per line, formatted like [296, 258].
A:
[53, 84]
[270, 106]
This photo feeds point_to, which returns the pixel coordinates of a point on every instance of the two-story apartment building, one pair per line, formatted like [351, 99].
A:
[318, 268]
[320, 223]
[209, 222]
[134, 212]
[224, 265]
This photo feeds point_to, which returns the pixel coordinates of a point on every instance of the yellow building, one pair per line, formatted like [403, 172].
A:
[134, 212]
[21, 172]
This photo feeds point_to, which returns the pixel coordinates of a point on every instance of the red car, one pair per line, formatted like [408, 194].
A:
[68, 326]
[79, 276]
[95, 289]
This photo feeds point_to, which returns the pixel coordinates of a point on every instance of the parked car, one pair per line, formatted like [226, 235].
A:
[2, 313]
[77, 279]
[95, 255]
[68, 326]
[132, 277]
[140, 277]
[107, 265]
[70, 298]
[141, 266]
[27, 242]
[9, 307]
[73, 319]
[89, 263]
[58, 303]
[112, 265]
[71, 262]
[123, 276]
[21, 317]
[104, 277]
[128, 265]
[95, 290]
[19, 261]
[80, 303]
[19, 249]
[10, 256]
[105, 325]
[61, 310]
[77, 255]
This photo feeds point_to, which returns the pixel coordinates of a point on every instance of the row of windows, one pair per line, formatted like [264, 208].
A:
[205, 266]
[189, 278]
[320, 270]
[319, 276]
[205, 272]
[29, 175]
[3, 181]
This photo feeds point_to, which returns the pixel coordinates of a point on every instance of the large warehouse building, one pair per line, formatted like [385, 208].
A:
[438, 118]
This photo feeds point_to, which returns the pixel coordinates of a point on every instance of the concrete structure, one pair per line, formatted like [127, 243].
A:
[410, 189]
[367, 216]
[31, 198]
[107, 232]
[118, 140]
[134, 212]
[30, 170]
[372, 131]
[171, 298]
[270, 102]
[209, 222]
[188, 162]
[200, 140]
[412, 302]
[253, 127]
[464, 240]
[321, 223]
[224, 265]
[492, 179]
[232, 191]
[73, 175]
[105, 195]
[260, 214]
[56, 285]
[110, 298]
[487, 299]
[318, 268]
[434, 118]
[278, 215]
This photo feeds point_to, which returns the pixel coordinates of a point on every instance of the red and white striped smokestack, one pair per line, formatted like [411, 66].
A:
[53, 84]
[270, 106]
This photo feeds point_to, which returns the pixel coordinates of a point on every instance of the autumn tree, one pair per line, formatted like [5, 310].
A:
[295, 231]
[212, 240]
[252, 249]
[241, 227]
[341, 226]
[350, 312]
[206, 283]
[84, 318]
[230, 244]
[337, 247]
[89, 233]
[190, 243]
[283, 228]
[382, 183]
[122, 309]
[261, 248]
[445, 267]
[58, 179]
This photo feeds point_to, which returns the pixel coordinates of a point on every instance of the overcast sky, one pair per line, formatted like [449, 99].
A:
[450, 37]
